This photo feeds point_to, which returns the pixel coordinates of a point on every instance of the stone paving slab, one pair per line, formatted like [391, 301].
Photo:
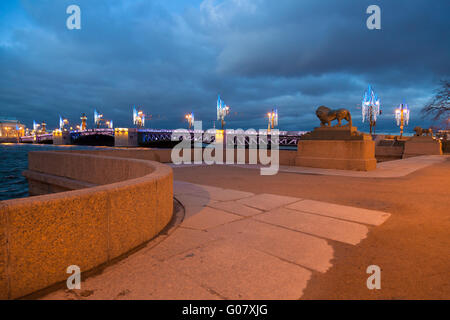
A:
[138, 278]
[208, 218]
[236, 271]
[181, 240]
[191, 211]
[354, 214]
[234, 246]
[235, 207]
[209, 192]
[267, 201]
[330, 228]
[193, 204]
[224, 194]
[299, 248]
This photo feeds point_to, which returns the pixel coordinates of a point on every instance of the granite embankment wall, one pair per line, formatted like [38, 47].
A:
[286, 157]
[124, 203]
[384, 150]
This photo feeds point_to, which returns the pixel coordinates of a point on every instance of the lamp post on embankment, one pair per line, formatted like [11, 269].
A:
[402, 116]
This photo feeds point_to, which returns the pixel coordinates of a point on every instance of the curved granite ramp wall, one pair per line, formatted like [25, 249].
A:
[41, 236]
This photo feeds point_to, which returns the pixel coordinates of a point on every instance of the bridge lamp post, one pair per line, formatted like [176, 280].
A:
[83, 122]
[62, 123]
[222, 111]
[141, 118]
[402, 116]
[138, 118]
[190, 119]
[273, 119]
[98, 118]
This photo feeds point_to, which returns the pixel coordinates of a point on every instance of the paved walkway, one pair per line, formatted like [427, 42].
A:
[233, 245]
[387, 169]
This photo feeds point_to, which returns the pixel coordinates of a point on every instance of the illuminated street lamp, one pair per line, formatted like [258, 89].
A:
[138, 118]
[109, 124]
[402, 116]
[97, 118]
[190, 118]
[222, 111]
[35, 127]
[370, 108]
[63, 123]
[273, 119]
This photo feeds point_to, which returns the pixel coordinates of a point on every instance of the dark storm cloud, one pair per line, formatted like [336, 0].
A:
[334, 38]
[172, 57]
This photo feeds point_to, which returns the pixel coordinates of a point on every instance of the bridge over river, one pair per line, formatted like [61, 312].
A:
[150, 137]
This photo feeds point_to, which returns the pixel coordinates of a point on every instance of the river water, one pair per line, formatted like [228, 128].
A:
[14, 160]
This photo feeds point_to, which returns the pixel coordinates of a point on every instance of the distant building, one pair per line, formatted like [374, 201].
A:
[11, 128]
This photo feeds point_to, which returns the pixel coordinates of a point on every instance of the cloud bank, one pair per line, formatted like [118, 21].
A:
[174, 57]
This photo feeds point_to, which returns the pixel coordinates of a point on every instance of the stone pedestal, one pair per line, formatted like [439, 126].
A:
[423, 145]
[336, 148]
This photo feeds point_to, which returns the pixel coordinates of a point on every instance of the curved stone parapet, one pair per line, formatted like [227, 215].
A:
[126, 203]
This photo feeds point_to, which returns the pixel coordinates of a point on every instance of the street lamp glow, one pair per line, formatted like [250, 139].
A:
[63, 123]
[402, 116]
[190, 118]
[370, 108]
[222, 111]
[138, 118]
[83, 125]
[273, 119]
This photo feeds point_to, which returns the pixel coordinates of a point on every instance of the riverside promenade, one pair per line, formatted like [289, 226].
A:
[301, 234]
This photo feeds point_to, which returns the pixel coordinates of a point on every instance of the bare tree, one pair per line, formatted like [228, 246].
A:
[439, 107]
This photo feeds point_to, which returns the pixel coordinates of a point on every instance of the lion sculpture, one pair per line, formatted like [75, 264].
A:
[326, 115]
[419, 131]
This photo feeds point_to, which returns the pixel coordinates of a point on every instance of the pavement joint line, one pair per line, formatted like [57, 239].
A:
[313, 235]
[220, 225]
[211, 229]
[243, 216]
[288, 261]
[199, 283]
[266, 210]
[342, 219]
